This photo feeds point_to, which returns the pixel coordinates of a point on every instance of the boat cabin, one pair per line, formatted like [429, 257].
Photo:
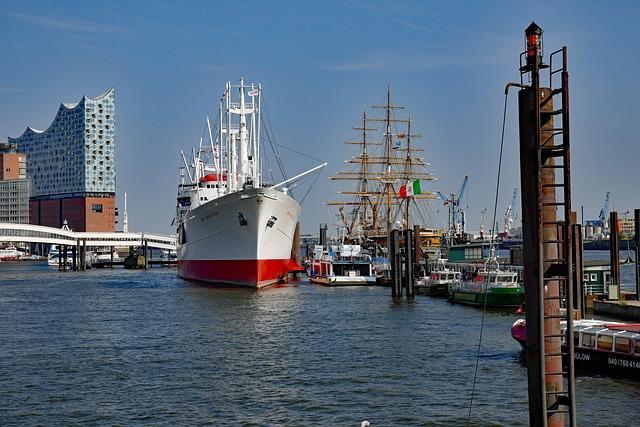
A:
[598, 335]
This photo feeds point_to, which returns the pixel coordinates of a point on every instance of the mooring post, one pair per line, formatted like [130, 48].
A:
[75, 253]
[323, 235]
[417, 249]
[146, 258]
[614, 251]
[295, 248]
[64, 261]
[83, 260]
[578, 270]
[636, 239]
[409, 255]
[111, 252]
[394, 259]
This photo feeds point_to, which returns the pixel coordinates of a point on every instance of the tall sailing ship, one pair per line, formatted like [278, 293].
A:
[232, 227]
[388, 177]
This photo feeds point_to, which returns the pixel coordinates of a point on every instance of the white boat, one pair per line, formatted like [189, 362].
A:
[104, 256]
[232, 227]
[9, 253]
[53, 259]
[439, 280]
[340, 265]
[168, 255]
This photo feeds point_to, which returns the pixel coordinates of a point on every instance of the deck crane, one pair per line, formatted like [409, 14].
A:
[456, 218]
[509, 217]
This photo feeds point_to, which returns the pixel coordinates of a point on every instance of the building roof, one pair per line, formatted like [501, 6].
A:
[65, 106]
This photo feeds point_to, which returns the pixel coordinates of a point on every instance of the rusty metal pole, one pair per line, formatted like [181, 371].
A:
[540, 225]
[550, 232]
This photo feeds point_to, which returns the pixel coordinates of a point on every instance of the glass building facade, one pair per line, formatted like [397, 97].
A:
[72, 166]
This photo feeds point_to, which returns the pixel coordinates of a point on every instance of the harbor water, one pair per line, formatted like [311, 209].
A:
[116, 347]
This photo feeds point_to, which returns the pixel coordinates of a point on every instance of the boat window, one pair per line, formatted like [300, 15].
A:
[605, 342]
[585, 277]
[594, 277]
[588, 340]
[622, 344]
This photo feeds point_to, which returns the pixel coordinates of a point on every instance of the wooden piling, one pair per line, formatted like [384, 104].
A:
[409, 257]
[614, 251]
[394, 259]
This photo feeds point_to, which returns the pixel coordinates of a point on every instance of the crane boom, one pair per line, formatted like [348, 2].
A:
[604, 212]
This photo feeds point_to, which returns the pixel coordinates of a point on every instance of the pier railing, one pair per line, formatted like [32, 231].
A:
[28, 233]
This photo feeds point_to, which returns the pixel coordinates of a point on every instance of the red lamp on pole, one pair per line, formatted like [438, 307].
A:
[533, 40]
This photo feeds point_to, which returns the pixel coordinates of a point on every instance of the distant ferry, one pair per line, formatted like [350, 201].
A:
[232, 227]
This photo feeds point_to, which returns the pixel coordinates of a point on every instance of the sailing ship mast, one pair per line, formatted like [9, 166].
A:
[377, 189]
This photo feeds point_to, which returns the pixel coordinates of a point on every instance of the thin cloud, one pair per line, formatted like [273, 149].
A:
[216, 67]
[66, 24]
[12, 90]
[389, 64]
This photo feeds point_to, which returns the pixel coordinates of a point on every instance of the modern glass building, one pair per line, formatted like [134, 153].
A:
[72, 166]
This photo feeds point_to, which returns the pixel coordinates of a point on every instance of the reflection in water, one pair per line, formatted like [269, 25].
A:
[124, 347]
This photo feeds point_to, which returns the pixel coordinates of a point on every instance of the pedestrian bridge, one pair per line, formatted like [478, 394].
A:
[27, 233]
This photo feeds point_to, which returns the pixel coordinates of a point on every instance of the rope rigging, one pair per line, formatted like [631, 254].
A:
[491, 255]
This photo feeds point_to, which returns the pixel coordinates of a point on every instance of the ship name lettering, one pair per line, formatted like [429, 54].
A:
[581, 356]
[210, 215]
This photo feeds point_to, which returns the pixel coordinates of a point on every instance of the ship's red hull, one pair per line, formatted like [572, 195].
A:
[254, 273]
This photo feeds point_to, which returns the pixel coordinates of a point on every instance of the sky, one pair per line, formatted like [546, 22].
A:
[320, 64]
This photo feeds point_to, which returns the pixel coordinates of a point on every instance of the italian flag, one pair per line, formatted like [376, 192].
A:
[410, 189]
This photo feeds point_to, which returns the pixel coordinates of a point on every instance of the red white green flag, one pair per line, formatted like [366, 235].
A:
[410, 189]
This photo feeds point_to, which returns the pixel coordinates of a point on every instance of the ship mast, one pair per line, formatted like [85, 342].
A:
[392, 169]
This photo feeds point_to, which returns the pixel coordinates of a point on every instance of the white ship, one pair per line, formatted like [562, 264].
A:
[232, 227]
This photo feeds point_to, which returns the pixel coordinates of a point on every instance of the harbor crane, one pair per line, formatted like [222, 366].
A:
[456, 217]
[509, 216]
[483, 221]
[604, 212]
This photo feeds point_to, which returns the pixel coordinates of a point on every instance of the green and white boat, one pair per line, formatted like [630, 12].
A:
[439, 280]
[499, 288]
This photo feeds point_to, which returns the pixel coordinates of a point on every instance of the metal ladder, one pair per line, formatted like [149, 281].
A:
[558, 267]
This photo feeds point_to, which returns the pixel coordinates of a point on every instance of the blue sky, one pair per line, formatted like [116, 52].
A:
[320, 64]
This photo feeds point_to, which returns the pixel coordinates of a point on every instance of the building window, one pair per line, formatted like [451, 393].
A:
[96, 207]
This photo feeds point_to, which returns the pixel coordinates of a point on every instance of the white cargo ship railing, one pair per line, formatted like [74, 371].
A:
[28, 233]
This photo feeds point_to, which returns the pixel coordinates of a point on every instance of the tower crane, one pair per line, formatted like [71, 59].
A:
[456, 216]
